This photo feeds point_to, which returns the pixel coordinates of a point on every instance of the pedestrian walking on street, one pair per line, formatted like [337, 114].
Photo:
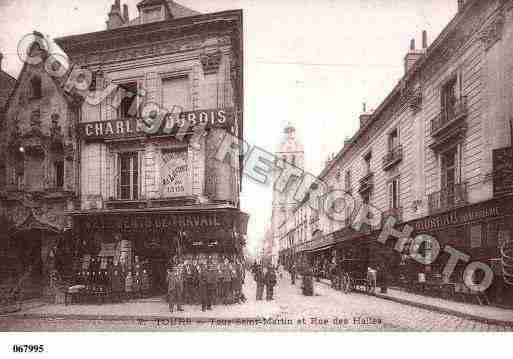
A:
[259, 279]
[270, 282]
[307, 282]
[293, 273]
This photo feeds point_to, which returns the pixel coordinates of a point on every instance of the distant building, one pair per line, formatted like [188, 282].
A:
[289, 151]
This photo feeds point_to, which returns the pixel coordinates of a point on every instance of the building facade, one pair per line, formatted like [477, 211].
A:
[140, 179]
[435, 154]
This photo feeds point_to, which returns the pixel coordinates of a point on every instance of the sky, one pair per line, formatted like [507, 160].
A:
[312, 63]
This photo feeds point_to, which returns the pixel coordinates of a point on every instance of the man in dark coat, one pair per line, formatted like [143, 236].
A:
[307, 283]
[175, 290]
[208, 279]
[226, 282]
[188, 283]
[270, 282]
[195, 281]
[237, 282]
[259, 279]
[203, 284]
[293, 273]
[117, 282]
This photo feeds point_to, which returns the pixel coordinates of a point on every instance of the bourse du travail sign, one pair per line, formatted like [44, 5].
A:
[160, 222]
[172, 124]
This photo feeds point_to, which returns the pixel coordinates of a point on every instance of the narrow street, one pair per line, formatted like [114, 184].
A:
[326, 310]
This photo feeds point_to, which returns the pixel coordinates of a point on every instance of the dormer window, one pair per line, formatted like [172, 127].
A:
[152, 14]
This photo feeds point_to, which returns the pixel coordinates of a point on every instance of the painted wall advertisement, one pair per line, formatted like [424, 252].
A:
[175, 179]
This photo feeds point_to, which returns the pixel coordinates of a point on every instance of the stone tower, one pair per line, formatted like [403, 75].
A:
[291, 151]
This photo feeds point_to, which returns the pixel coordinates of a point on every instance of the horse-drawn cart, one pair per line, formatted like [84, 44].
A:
[357, 276]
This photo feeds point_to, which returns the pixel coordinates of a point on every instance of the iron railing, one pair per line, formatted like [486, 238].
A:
[366, 182]
[448, 198]
[395, 155]
[449, 115]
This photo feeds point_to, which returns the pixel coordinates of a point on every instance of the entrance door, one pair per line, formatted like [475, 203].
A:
[157, 260]
[30, 271]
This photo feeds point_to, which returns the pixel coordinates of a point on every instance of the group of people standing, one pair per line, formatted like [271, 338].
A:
[267, 279]
[118, 282]
[207, 281]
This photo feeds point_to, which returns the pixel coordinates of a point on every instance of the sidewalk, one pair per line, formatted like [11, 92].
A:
[153, 309]
[481, 313]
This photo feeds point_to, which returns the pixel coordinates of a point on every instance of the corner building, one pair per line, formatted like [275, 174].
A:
[153, 196]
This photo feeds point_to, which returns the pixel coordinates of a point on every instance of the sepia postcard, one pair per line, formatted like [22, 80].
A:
[256, 166]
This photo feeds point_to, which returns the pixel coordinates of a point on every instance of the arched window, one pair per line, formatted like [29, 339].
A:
[35, 87]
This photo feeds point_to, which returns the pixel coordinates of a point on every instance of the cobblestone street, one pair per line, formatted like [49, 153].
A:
[327, 310]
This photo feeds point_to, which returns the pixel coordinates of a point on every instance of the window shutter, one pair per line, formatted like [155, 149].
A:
[390, 194]
[459, 84]
[457, 162]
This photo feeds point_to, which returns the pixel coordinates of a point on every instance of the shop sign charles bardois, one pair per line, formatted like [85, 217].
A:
[171, 124]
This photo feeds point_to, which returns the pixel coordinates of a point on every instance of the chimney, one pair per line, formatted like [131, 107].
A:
[126, 18]
[413, 54]
[115, 18]
[424, 40]
[364, 117]
[461, 4]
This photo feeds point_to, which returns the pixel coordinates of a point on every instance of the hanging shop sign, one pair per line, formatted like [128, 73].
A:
[502, 171]
[184, 122]
[175, 179]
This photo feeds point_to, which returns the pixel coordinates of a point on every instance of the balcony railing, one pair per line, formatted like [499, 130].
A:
[449, 116]
[448, 198]
[366, 182]
[393, 157]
